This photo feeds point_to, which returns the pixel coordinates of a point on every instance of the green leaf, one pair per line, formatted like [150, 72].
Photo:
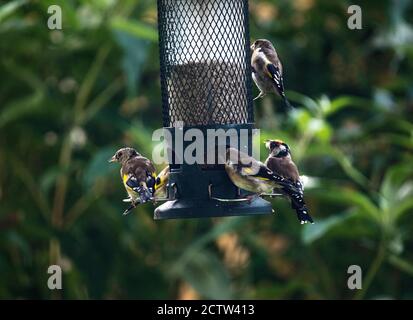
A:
[401, 264]
[351, 198]
[308, 102]
[393, 180]
[322, 226]
[10, 7]
[346, 101]
[135, 52]
[98, 167]
[28, 104]
[348, 168]
[206, 274]
[135, 28]
[402, 208]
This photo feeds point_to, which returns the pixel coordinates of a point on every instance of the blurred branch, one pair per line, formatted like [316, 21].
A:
[9, 8]
[401, 264]
[67, 147]
[100, 101]
[28, 180]
[80, 206]
[374, 268]
[88, 83]
[66, 151]
[349, 169]
[135, 28]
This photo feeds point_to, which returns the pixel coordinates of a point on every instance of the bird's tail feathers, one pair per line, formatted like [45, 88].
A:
[287, 103]
[145, 194]
[303, 216]
[297, 203]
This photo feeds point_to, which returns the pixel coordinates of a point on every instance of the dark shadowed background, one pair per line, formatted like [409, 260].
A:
[70, 98]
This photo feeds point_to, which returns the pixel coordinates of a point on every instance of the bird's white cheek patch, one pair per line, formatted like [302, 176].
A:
[262, 56]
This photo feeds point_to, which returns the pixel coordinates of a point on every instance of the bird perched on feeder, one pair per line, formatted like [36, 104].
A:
[251, 175]
[138, 176]
[267, 70]
[280, 162]
[254, 176]
[161, 183]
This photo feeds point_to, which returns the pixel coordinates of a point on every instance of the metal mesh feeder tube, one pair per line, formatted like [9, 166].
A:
[206, 84]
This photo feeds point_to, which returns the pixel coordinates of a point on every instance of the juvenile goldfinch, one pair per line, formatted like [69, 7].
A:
[252, 175]
[161, 183]
[267, 70]
[138, 176]
[280, 162]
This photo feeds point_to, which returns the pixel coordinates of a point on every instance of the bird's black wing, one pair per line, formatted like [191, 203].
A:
[140, 174]
[260, 171]
[284, 167]
[133, 183]
[275, 73]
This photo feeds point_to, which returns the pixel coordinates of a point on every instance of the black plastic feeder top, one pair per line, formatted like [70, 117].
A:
[206, 83]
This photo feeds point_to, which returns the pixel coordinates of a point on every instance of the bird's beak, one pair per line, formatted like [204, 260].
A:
[113, 159]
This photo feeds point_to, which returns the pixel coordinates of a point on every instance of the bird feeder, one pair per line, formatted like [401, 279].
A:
[206, 84]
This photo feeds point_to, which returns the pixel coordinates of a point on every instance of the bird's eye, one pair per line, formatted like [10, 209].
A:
[119, 154]
[273, 145]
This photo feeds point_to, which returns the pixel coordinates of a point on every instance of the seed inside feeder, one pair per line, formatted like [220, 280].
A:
[207, 93]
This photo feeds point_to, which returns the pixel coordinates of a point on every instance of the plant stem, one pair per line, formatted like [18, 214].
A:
[374, 268]
[67, 150]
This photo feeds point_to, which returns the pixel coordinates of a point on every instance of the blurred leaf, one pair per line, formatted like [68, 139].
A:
[405, 206]
[308, 102]
[401, 264]
[384, 99]
[393, 180]
[22, 107]
[344, 102]
[141, 135]
[322, 226]
[349, 169]
[135, 53]
[48, 179]
[10, 7]
[206, 275]
[350, 198]
[16, 240]
[99, 167]
[135, 29]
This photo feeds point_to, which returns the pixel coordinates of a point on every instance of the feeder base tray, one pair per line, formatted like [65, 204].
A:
[195, 208]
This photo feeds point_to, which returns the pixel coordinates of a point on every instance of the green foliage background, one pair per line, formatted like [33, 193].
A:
[70, 98]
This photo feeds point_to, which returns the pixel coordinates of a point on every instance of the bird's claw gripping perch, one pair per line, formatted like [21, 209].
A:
[131, 207]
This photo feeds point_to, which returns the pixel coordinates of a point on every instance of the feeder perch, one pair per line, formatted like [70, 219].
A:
[206, 84]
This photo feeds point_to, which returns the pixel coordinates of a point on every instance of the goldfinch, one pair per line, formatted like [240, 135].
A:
[161, 183]
[138, 176]
[252, 175]
[267, 70]
[280, 162]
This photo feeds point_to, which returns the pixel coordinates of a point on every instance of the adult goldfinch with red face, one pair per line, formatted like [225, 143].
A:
[267, 70]
[280, 162]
